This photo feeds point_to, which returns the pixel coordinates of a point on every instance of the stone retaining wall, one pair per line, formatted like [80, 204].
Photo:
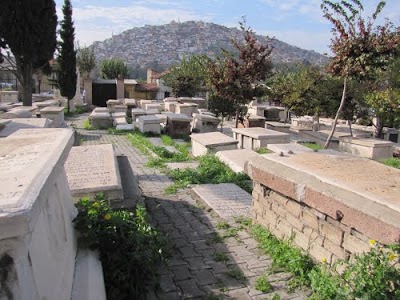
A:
[328, 216]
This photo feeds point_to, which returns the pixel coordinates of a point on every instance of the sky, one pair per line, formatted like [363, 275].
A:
[297, 22]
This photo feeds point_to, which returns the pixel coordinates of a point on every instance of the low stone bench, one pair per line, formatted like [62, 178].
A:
[205, 123]
[367, 147]
[149, 124]
[178, 125]
[256, 137]
[93, 169]
[56, 114]
[211, 142]
[101, 120]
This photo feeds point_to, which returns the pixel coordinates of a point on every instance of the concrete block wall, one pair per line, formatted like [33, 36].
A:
[326, 219]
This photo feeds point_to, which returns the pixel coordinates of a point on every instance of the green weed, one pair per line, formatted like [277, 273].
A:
[220, 256]
[263, 285]
[313, 146]
[392, 162]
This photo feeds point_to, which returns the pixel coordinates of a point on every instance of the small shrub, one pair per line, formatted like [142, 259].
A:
[392, 162]
[87, 125]
[238, 275]
[220, 256]
[263, 285]
[130, 248]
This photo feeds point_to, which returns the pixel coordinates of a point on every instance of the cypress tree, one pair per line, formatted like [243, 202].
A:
[67, 58]
[28, 29]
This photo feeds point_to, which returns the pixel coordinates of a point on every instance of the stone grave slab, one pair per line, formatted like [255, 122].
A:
[257, 137]
[13, 125]
[119, 121]
[102, 120]
[237, 158]
[126, 127]
[211, 142]
[151, 111]
[183, 165]
[93, 169]
[100, 110]
[156, 141]
[278, 126]
[288, 149]
[136, 113]
[205, 123]
[17, 112]
[227, 199]
[178, 125]
[254, 121]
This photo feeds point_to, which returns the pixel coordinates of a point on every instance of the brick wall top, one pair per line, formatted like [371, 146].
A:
[360, 193]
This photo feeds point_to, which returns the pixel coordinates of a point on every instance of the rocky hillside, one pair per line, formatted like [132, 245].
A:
[163, 46]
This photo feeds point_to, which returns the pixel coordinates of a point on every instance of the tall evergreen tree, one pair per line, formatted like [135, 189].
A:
[67, 58]
[28, 29]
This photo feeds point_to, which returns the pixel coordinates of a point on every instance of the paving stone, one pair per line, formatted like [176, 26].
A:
[200, 245]
[167, 284]
[190, 289]
[229, 282]
[181, 273]
[204, 277]
[169, 296]
[197, 263]
[241, 294]
[188, 251]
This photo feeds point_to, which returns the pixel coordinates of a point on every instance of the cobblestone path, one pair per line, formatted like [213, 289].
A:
[202, 266]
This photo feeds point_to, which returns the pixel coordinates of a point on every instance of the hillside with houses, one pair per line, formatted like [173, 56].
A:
[165, 45]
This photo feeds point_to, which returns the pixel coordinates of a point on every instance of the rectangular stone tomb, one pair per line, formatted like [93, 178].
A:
[18, 112]
[299, 124]
[100, 110]
[36, 229]
[101, 120]
[149, 124]
[178, 125]
[120, 108]
[47, 103]
[118, 115]
[119, 121]
[93, 169]
[151, 111]
[56, 114]
[367, 147]
[126, 127]
[111, 104]
[153, 106]
[136, 113]
[254, 121]
[342, 200]
[205, 123]
[319, 137]
[278, 126]
[131, 103]
[13, 125]
[256, 137]
[143, 103]
[211, 142]
[170, 106]
[186, 109]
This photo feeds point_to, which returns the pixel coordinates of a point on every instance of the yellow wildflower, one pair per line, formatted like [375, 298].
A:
[95, 205]
[323, 260]
[372, 242]
[392, 256]
[107, 217]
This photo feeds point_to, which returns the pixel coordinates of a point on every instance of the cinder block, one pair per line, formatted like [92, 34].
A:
[278, 198]
[270, 216]
[301, 240]
[280, 210]
[339, 252]
[320, 254]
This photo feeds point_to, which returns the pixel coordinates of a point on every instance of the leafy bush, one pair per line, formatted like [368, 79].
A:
[210, 170]
[130, 248]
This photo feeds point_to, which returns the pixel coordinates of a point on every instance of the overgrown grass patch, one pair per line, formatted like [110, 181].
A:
[313, 146]
[263, 150]
[392, 162]
[140, 141]
[87, 125]
[210, 170]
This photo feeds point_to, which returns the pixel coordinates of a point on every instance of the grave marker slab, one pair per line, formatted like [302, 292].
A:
[13, 125]
[211, 142]
[93, 169]
[227, 199]
[257, 137]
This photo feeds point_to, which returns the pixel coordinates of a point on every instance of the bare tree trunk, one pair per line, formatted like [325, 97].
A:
[351, 129]
[337, 114]
[27, 84]
[379, 128]
[237, 117]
